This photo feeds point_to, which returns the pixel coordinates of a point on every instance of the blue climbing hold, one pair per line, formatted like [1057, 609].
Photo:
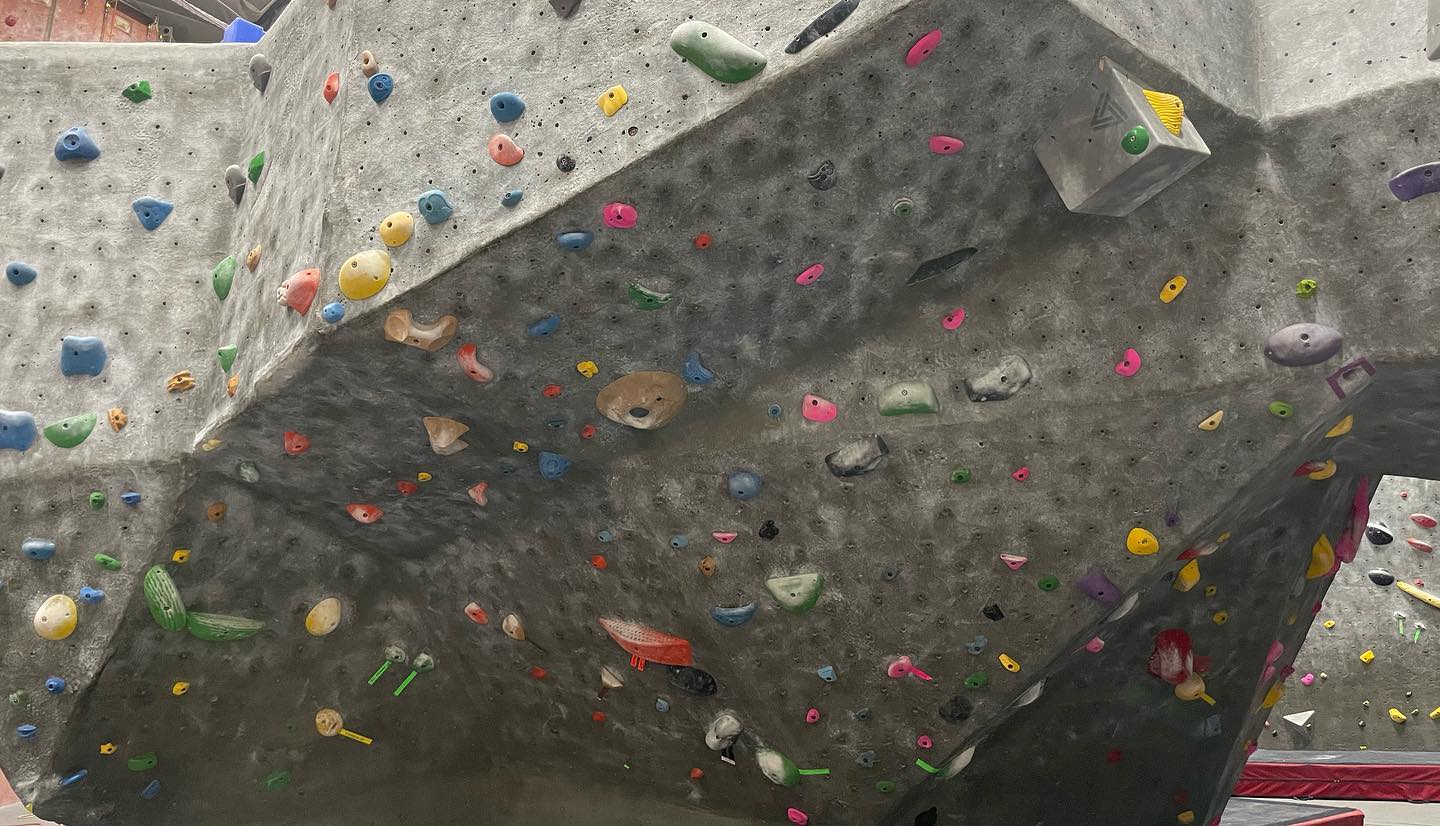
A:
[543, 327]
[17, 430]
[130, 498]
[827, 673]
[734, 617]
[512, 197]
[977, 645]
[605, 536]
[553, 465]
[152, 212]
[662, 705]
[435, 206]
[744, 485]
[574, 241]
[75, 144]
[506, 106]
[381, 85]
[26, 731]
[506, 467]
[91, 596]
[74, 777]
[82, 356]
[775, 411]
[679, 541]
[55, 685]
[39, 549]
[19, 273]
[695, 372]
[558, 422]
[333, 312]
[151, 790]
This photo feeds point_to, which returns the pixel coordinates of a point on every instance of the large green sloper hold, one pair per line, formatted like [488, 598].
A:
[796, 594]
[164, 599]
[223, 276]
[221, 628]
[715, 52]
[72, 431]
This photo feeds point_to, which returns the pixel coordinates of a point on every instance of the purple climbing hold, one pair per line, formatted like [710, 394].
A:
[1098, 586]
[1416, 181]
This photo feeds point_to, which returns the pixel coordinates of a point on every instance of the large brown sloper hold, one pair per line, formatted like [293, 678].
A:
[647, 400]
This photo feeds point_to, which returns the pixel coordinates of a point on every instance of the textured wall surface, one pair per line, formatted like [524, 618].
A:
[911, 560]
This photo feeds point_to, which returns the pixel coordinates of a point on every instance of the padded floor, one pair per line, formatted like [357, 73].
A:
[1352, 775]
[1242, 812]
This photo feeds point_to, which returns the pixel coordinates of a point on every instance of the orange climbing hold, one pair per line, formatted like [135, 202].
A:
[598, 560]
[538, 673]
[504, 151]
[406, 487]
[647, 644]
[296, 443]
[597, 716]
[550, 391]
[696, 774]
[364, 514]
[587, 432]
[476, 613]
[332, 87]
[703, 241]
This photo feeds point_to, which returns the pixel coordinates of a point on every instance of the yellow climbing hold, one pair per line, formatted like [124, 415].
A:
[1211, 590]
[1435, 715]
[588, 369]
[519, 447]
[1324, 472]
[210, 444]
[422, 476]
[1322, 558]
[1186, 817]
[1341, 428]
[1396, 715]
[1424, 596]
[181, 556]
[1220, 617]
[1009, 664]
[56, 618]
[323, 618]
[397, 228]
[1170, 109]
[107, 748]
[1173, 288]
[1273, 695]
[365, 274]
[1367, 657]
[612, 99]
[1222, 537]
[1187, 576]
[1141, 542]
[1212, 422]
[1329, 623]
[179, 688]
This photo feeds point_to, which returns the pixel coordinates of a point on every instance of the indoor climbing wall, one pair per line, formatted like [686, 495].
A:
[720, 416]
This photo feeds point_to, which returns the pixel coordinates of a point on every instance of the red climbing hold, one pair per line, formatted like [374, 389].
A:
[477, 493]
[1307, 468]
[1113, 756]
[922, 49]
[696, 774]
[364, 514]
[295, 443]
[587, 432]
[645, 643]
[466, 355]
[598, 560]
[598, 716]
[550, 391]
[1420, 545]
[11, 20]
[812, 716]
[702, 242]
[406, 487]
[538, 673]
[332, 87]
[1021, 475]
[1423, 520]
[298, 291]
[476, 613]
[945, 145]
[1172, 659]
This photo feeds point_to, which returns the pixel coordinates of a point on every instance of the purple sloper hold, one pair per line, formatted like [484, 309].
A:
[1098, 586]
[1416, 181]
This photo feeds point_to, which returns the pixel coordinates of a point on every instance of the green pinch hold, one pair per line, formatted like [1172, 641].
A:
[143, 763]
[97, 500]
[220, 627]
[796, 594]
[255, 167]
[1136, 140]
[108, 562]
[977, 680]
[960, 475]
[906, 397]
[72, 431]
[1306, 287]
[1048, 583]
[163, 599]
[1281, 410]
[647, 299]
[715, 52]
[138, 92]
[926, 766]
[226, 355]
[276, 780]
[885, 786]
[223, 276]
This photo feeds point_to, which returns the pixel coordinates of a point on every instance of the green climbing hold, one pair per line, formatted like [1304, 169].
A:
[885, 786]
[960, 475]
[1306, 287]
[903, 207]
[221, 628]
[1136, 140]
[715, 52]
[905, 397]
[72, 431]
[977, 680]
[142, 763]
[647, 299]
[108, 562]
[1281, 410]
[138, 92]
[796, 594]
[777, 767]
[276, 780]
[1048, 583]
[256, 166]
[223, 276]
[164, 599]
[226, 355]
[97, 500]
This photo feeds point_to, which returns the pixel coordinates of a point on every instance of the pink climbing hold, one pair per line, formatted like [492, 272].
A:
[477, 493]
[1095, 645]
[1021, 475]
[812, 716]
[1308, 679]
[466, 355]
[816, 409]
[922, 49]
[620, 216]
[1420, 545]
[1015, 563]
[924, 741]
[1276, 649]
[1423, 520]
[954, 319]
[945, 145]
[1129, 363]
[406, 487]
[364, 514]
[811, 274]
[298, 291]
[724, 537]
[796, 816]
[904, 667]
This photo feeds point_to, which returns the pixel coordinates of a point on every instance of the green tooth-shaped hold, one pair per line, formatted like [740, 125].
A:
[226, 355]
[905, 397]
[778, 768]
[796, 594]
[72, 431]
[221, 628]
[648, 299]
[256, 166]
[715, 52]
[108, 562]
[163, 598]
[142, 763]
[138, 92]
[223, 276]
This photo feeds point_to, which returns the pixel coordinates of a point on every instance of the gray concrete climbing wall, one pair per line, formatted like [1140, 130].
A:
[992, 545]
[1350, 698]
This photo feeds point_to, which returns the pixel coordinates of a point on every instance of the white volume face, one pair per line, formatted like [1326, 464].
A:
[324, 617]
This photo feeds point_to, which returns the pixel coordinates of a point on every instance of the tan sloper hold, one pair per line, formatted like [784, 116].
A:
[445, 435]
[647, 400]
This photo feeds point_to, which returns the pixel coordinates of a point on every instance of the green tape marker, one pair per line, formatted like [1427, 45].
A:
[926, 766]
[814, 771]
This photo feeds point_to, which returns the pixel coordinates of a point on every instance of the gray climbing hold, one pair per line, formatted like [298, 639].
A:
[564, 8]
[939, 266]
[235, 182]
[859, 457]
[723, 731]
[260, 72]
[822, 25]
[744, 485]
[824, 177]
[1300, 345]
[999, 382]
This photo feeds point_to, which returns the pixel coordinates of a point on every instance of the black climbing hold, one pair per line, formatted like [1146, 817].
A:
[929, 817]
[691, 680]
[861, 714]
[1380, 576]
[939, 266]
[824, 176]
[507, 467]
[822, 25]
[865, 759]
[768, 530]
[889, 572]
[956, 710]
[1379, 533]
[564, 8]
[565, 163]
[859, 457]
[992, 611]
[775, 411]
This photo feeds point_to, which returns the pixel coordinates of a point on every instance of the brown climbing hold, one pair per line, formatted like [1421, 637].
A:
[117, 418]
[401, 327]
[180, 382]
[216, 512]
[445, 435]
[368, 64]
[646, 400]
[232, 385]
[252, 258]
[707, 566]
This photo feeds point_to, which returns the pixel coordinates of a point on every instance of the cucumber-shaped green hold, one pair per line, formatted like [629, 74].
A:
[715, 52]
[72, 431]
[164, 599]
[221, 628]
